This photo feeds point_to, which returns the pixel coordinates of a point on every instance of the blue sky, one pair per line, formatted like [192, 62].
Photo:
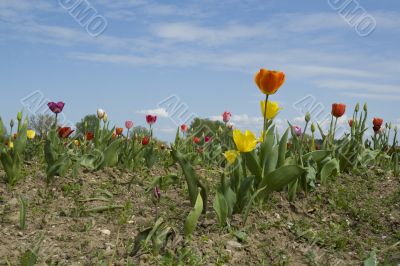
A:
[203, 53]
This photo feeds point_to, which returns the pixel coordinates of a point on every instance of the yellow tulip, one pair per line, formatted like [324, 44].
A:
[269, 81]
[244, 142]
[76, 142]
[30, 134]
[272, 109]
[11, 145]
[231, 156]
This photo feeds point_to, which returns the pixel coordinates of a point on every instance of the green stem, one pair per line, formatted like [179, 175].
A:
[265, 114]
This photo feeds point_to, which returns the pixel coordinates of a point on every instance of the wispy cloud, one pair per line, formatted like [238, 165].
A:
[160, 112]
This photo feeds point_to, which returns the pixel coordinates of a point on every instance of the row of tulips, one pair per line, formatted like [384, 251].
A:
[258, 166]
[252, 167]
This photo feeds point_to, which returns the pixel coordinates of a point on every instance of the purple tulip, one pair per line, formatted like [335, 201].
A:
[157, 193]
[297, 130]
[56, 107]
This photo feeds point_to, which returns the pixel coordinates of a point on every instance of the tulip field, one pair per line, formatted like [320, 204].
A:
[115, 195]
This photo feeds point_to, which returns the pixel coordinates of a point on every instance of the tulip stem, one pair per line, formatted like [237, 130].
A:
[265, 114]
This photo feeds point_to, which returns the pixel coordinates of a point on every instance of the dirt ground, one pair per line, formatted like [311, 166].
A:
[338, 224]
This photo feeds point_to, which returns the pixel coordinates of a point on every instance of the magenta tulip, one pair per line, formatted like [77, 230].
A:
[56, 107]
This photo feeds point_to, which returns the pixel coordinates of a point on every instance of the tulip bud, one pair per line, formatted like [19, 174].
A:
[105, 117]
[395, 129]
[312, 128]
[86, 124]
[357, 107]
[12, 123]
[390, 125]
[100, 113]
[157, 193]
[308, 117]
[365, 107]
[19, 116]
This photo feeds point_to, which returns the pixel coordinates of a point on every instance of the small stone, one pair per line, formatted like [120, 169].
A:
[105, 232]
[231, 245]
[20, 234]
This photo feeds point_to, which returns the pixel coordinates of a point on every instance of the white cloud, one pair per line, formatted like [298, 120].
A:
[160, 112]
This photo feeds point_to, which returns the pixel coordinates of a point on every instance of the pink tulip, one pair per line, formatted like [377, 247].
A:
[128, 124]
[226, 116]
[297, 130]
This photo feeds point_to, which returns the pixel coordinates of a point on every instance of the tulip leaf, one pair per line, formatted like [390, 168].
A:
[250, 204]
[281, 177]
[282, 149]
[221, 208]
[193, 217]
[317, 156]
[292, 189]
[110, 154]
[329, 169]
[266, 146]
[192, 179]
[253, 165]
[244, 192]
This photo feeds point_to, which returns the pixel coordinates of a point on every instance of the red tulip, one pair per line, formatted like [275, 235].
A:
[151, 119]
[145, 140]
[89, 136]
[207, 139]
[350, 122]
[184, 128]
[56, 107]
[338, 109]
[226, 116]
[65, 132]
[196, 140]
[377, 122]
[118, 131]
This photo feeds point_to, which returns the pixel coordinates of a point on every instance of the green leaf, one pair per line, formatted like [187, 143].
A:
[243, 194]
[252, 164]
[329, 169]
[250, 204]
[282, 149]
[317, 156]
[221, 208]
[281, 177]
[372, 260]
[110, 154]
[193, 217]
[192, 179]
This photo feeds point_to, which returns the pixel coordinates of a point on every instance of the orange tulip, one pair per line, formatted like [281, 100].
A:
[338, 109]
[269, 81]
[119, 131]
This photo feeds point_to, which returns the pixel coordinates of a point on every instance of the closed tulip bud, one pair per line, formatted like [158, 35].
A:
[395, 129]
[19, 116]
[365, 107]
[100, 113]
[312, 128]
[12, 123]
[390, 125]
[105, 117]
[357, 107]
[86, 124]
[308, 117]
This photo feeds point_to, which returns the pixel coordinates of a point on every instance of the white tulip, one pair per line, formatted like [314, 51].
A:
[100, 113]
